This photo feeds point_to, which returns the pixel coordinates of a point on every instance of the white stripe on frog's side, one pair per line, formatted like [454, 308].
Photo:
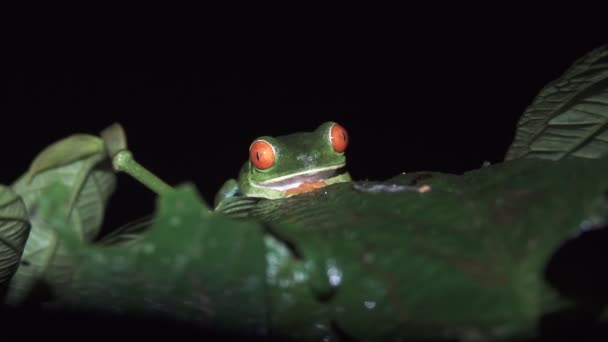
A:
[295, 180]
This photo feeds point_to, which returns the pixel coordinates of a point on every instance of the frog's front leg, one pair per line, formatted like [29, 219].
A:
[229, 190]
[230, 201]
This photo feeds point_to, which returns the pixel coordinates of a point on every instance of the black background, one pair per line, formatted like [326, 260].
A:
[419, 87]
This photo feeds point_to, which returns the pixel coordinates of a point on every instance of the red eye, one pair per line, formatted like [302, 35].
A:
[261, 155]
[339, 138]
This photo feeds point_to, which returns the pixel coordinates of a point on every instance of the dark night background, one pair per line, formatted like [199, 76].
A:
[418, 87]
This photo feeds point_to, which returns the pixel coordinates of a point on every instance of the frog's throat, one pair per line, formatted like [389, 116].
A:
[284, 183]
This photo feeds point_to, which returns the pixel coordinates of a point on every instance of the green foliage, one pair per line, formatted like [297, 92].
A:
[80, 163]
[374, 264]
[190, 265]
[569, 117]
[64, 152]
[466, 258]
[14, 231]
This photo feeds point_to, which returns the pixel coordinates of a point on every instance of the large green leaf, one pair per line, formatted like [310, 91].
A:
[190, 266]
[375, 260]
[569, 117]
[466, 258]
[14, 231]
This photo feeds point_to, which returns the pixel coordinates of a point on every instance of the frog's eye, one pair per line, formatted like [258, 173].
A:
[261, 154]
[339, 138]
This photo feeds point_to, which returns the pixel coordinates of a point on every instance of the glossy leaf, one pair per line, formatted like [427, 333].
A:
[14, 231]
[569, 117]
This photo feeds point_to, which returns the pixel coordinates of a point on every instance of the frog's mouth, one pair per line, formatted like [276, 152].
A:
[295, 180]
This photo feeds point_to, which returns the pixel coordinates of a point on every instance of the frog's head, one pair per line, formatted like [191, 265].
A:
[287, 165]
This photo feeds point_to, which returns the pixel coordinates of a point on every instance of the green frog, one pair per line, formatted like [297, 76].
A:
[284, 166]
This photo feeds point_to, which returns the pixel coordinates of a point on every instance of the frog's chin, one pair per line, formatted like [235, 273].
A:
[292, 181]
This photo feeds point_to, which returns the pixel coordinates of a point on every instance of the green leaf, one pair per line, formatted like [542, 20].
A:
[91, 181]
[79, 163]
[371, 260]
[64, 152]
[465, 258]
[569, 117]
[14, 231]
[190, 265]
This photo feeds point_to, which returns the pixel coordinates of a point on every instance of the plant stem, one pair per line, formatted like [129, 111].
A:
[123, 161]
